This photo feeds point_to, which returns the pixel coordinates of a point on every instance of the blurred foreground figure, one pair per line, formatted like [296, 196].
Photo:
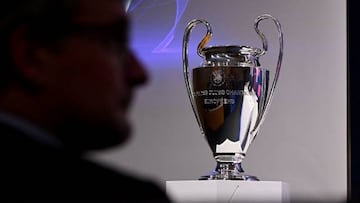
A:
[67, 78]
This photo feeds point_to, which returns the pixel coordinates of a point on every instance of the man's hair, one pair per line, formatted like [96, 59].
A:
[41, 18]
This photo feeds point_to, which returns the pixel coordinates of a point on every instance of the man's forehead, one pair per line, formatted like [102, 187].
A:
[99, 11]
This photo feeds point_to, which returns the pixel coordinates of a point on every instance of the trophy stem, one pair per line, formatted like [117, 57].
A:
[229, 171]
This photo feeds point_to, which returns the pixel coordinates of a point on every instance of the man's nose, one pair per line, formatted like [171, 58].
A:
[137, 73]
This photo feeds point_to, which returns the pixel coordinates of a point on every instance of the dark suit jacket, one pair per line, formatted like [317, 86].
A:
[34, 171]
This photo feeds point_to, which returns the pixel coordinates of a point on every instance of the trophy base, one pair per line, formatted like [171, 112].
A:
[229, 171]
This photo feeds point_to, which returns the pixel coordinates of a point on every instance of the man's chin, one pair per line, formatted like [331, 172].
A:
[82, 138]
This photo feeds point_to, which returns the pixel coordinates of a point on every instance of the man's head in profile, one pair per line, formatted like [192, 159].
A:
[66, 67]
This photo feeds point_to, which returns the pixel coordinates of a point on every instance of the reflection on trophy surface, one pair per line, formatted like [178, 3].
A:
[228, 107]
[230, 95]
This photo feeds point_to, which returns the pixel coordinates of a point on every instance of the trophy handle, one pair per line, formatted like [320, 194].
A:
[278, 67]
[201, 45]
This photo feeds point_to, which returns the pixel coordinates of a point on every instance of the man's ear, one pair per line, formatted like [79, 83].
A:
[29, 57]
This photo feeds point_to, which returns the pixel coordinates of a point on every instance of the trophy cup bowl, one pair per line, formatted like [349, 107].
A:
[230, 95]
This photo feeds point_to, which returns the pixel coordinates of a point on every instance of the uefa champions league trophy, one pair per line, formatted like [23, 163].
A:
[230, 96]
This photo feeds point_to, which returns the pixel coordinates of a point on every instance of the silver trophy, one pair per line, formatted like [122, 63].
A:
[230, 96]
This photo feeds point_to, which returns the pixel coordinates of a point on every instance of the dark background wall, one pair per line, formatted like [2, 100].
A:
[354, 97]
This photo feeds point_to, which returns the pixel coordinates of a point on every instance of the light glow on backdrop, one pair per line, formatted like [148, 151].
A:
[152, 34]
[158, 27]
